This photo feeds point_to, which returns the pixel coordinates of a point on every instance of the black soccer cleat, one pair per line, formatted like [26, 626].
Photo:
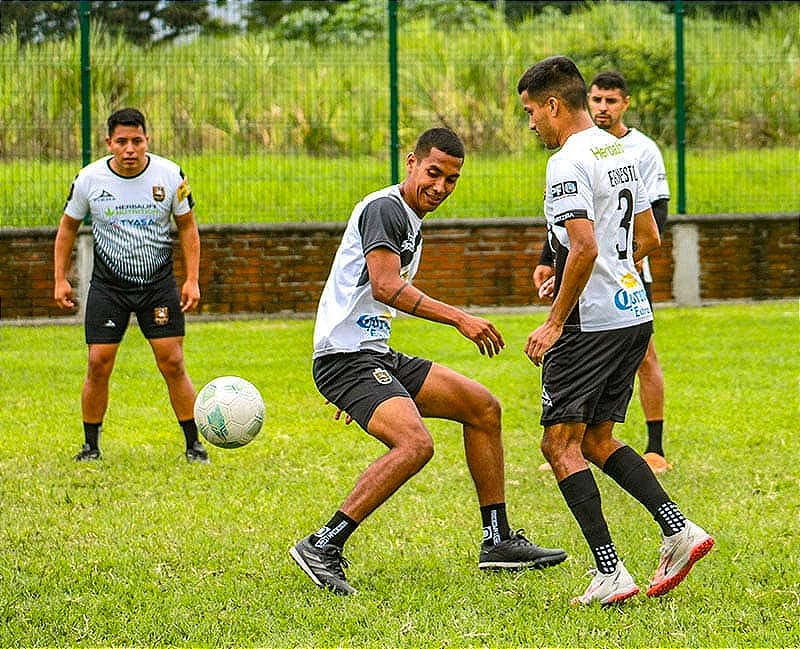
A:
[197, 453]
[324, 565]
[87, 453]
[517, 553]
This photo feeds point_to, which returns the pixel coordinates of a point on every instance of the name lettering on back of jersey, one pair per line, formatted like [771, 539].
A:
[621, 175]
[600, 152]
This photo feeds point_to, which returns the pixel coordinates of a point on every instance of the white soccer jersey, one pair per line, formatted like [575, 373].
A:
[654, 174]
[593, 176]
[130, 218]
[349, 319]
[651, 163]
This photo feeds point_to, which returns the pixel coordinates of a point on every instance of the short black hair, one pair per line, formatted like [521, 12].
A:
[555, 76]
[439, 138]
[126, 117]
[610, 80]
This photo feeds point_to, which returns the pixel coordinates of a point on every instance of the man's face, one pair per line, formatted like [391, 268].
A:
[128, 145]
[607, 107]
[540, 119]
[430, 180]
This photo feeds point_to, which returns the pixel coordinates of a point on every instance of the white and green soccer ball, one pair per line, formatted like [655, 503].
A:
[229, 411]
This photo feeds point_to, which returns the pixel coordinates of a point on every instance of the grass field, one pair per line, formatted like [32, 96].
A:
[141, 549]
[282, 189]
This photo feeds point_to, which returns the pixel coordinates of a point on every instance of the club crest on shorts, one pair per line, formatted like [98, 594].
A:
[159, 193]
[382, 376]
[161, 315]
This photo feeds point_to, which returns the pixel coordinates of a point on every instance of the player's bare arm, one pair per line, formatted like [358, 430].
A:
[645, 235]
[388, 287]
[189, 240]
[577, 270]
[65, 240]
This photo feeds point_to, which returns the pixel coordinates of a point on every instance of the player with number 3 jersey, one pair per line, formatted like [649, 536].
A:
[600, 223]
[593, 177]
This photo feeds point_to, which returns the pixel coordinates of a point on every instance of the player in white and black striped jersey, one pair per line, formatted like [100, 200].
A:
[132, 196]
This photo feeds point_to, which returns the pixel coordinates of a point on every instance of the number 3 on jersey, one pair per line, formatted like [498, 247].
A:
[625, 224]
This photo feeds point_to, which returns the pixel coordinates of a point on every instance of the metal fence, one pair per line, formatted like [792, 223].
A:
[277, 129]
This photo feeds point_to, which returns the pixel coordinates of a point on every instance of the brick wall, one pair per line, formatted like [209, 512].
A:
[280, 269]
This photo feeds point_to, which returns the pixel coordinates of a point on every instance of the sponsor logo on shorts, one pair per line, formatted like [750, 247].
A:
[110, 324]
[159, 193]
[546, 400]
[382, 376]
[161, 315]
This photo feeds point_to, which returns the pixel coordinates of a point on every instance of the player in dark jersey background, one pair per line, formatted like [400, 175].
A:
[388, 393]
[132, 196]
[599, 224]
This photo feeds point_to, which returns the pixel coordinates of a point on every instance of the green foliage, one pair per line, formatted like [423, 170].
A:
[141, 549]
[332, 99]
[273, 105]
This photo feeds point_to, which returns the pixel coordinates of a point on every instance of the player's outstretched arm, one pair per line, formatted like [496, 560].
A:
[388, 287]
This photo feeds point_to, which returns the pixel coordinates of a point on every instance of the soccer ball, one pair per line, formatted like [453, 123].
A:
[229, 411]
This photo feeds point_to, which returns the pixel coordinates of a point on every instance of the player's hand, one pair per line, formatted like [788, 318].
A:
[339, 412]
[546, 289]
[190, 295]
[483, 333]
[63, 294]
[540, 340]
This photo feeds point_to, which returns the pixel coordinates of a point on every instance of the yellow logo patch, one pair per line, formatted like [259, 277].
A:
[184, 190]
[161, 315]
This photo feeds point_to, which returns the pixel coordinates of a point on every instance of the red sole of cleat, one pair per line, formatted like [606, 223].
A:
[621, 597]
[698, 552]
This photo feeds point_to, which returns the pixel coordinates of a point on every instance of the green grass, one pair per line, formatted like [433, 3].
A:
[283, 189]
[143, 549]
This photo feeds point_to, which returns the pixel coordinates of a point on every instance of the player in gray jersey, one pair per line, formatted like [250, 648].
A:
[132, 196]
[600, 224]
[388, 393]
[608, 100]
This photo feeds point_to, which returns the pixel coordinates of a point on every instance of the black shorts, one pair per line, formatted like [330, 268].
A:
[588, 377]
[157, 309]
[359, 382]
